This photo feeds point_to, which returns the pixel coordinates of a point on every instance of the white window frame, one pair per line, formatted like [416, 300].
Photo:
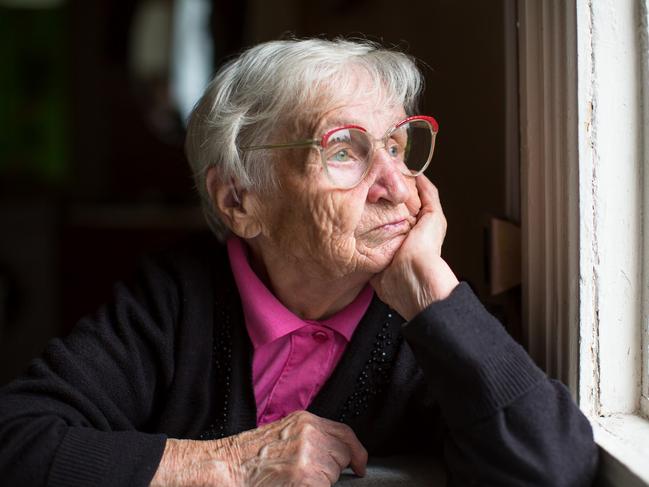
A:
[644, 58]
[585, 258]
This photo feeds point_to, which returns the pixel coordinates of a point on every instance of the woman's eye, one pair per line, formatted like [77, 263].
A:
[393, 150]
[341, 156]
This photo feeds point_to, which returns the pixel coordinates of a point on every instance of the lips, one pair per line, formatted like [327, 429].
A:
[396, 225]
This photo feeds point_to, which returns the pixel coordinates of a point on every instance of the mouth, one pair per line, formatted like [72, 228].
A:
[399, 225]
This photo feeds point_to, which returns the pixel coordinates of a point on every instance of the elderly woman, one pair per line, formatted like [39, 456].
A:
[326, 327]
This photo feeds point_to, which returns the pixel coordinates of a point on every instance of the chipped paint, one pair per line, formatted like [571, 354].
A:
[611, 202]
[606, 222]
[589, 252]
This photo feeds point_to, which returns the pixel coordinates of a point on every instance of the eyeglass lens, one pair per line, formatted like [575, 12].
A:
[347, 152]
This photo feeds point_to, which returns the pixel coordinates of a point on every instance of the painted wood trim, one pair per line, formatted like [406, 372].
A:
[605, 274]
[644, 87]
[623, 449]
[550, 186]
[611, 200]
[582, 198]
[644, 405]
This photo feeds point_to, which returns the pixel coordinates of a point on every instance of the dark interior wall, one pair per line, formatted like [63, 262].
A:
[86, 184]
[117, 154]
[122, 189]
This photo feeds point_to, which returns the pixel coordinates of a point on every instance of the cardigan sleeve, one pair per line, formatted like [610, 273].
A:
[72, 419]
[507, 423]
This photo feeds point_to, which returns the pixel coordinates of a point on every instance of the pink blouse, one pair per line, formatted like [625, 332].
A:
[292, 357]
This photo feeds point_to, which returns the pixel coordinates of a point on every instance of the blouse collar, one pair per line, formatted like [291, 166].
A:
[267, 319]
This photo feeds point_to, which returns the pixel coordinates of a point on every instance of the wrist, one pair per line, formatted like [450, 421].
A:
[441, 281]
[190, 462]
[437, 282]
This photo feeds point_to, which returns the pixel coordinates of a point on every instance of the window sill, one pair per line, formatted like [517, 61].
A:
[624, 449]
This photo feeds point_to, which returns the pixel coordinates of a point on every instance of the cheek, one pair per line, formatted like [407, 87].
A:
[305, 221]
[335, 217]
[314, 223]
[351, 209]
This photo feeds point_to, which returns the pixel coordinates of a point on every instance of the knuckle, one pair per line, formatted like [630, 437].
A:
[304, 419]
[348, 432]
[264, 451]
[301, 416]
[309, 431]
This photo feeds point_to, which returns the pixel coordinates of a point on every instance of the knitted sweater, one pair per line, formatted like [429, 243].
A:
[170, 357]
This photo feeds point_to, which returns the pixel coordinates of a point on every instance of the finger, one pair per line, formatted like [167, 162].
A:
[321, 453]
[431, 205]
[428, 194]
[338, 451]
[357, 452]
[338, 457]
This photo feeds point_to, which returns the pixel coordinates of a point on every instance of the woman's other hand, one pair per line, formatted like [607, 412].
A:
[418, 276]
[300, 449]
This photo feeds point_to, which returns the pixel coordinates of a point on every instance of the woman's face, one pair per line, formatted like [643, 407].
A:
[330, 232]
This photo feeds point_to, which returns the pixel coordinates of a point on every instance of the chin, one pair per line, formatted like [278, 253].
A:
[376, 258]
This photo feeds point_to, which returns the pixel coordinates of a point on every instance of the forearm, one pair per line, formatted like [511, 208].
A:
[484, 369]
[212, 462]
[299, 446]
[190, 462]
[540, 439]
[507, 423]
[44, 451]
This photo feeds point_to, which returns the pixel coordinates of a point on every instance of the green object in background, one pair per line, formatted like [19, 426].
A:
[34, 94]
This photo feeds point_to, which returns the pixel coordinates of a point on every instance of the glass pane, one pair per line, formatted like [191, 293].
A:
[419, 145]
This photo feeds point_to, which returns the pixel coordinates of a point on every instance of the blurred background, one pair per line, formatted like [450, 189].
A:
[93, 99]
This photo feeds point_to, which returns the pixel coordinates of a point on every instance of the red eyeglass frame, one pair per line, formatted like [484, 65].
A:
[322, 143]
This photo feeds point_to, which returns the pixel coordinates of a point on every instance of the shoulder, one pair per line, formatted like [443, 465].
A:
[199, 261]
[199, 253]
[168, 283]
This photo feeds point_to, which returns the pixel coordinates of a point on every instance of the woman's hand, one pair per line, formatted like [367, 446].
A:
[300, 449]
[418, 276]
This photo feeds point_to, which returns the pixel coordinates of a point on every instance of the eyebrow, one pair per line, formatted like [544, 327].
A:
[340, 122]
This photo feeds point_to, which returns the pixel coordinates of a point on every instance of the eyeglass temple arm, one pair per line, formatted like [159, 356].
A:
[299, 143]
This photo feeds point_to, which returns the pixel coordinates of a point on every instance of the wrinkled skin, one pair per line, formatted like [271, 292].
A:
[315, 239]
[316, 247]
[302, 449]
[334, 233]
[298, 450]
[418, 275]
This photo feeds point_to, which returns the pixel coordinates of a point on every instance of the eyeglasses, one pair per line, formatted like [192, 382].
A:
[347, 151]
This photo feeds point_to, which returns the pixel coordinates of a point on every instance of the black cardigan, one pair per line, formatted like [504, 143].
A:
[170, 357]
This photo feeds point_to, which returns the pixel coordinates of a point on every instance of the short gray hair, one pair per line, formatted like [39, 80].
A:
[268, 85]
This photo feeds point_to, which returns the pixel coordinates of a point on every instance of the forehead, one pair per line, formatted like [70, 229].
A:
[373, 113]
[374, 117]
[357, 100]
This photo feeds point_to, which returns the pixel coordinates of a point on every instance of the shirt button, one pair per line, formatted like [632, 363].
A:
[320, 336]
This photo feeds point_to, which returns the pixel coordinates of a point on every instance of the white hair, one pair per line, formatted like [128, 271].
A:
[276, 83]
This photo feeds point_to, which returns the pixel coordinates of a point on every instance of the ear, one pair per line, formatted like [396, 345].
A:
[236, 207]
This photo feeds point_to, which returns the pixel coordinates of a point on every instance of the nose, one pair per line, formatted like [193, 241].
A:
[388, 182]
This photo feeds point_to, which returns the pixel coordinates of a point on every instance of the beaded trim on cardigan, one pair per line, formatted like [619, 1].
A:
[222, 356]
[374, 374]
[369, 383]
